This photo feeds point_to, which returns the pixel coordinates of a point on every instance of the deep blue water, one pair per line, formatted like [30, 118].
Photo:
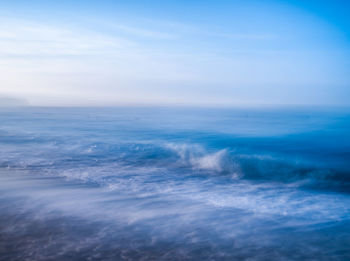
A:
[174, 184]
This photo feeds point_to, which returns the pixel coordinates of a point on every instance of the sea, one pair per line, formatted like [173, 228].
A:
[174, 183]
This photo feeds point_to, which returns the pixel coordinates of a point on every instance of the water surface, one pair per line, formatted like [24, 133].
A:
[174, 184]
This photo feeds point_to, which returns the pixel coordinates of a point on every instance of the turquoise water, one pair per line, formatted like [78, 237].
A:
[174, 184]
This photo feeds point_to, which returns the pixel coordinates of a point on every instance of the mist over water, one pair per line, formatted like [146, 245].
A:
[174, 184]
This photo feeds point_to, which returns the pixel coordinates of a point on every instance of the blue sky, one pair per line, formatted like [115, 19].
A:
[215, 53]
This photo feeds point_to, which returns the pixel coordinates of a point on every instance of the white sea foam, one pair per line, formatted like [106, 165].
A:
[198, 158]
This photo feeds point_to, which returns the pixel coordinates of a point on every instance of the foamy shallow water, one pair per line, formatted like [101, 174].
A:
[174, 184]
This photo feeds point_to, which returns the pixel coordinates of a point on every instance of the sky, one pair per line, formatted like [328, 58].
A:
[206, 53]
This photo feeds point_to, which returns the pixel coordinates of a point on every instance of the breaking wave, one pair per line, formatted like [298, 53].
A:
[98, 162]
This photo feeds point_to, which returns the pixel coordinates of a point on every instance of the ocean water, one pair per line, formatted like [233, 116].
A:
[174, 184]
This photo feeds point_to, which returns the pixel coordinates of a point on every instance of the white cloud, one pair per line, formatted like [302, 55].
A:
[33, 39]
[145, 33]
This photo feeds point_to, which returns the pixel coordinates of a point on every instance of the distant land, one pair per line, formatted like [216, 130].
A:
[6, 101]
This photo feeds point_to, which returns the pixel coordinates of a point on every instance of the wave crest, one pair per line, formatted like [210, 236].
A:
[198, 158]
